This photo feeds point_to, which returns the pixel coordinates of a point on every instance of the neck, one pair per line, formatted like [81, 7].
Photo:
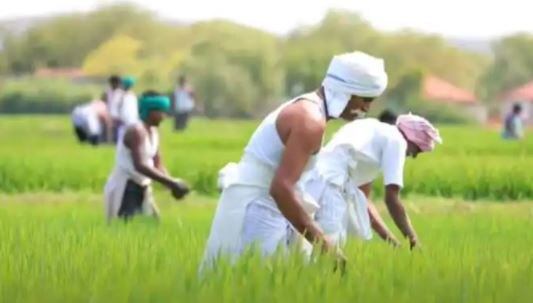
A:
[147, 124]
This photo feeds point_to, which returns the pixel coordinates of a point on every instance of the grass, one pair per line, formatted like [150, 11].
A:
[56, 247]
[40, 154]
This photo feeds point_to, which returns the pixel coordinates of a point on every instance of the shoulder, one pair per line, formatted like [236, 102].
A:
[394, 136]
[135, 132]
[304, 115]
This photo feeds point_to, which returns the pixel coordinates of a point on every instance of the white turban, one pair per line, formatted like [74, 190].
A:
[350, 74]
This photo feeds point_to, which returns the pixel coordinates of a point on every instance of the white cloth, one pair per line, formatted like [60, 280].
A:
[248, 183]
[129, 112]
[124, 170]
[264, 227]
[265, 143]
[114, 99]
[354, 157]
[86, 117]
[350, 74]
[227, 175]
[342, 210]
[184, 102]
[360, 150]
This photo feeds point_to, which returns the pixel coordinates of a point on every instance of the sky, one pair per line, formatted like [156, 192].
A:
[451, 18]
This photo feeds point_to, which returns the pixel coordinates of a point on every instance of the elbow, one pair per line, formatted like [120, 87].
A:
[279, 190]
[139, 167]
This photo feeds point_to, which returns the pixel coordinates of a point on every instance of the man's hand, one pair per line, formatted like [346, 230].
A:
[329, 247]
[179, 189]
[393, 241]
[413, 242]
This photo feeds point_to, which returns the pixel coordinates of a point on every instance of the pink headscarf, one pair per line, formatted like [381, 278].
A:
[419, 131]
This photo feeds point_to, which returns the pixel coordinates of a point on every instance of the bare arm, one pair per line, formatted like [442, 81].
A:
[302, 141]
[377, 222]
[398, 214]
[158, 163]
[133, 139]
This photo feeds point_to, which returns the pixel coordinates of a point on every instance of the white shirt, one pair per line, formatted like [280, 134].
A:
[184, 101]
[86, 117]
[129, 111]
[360, 150]
[114, 97]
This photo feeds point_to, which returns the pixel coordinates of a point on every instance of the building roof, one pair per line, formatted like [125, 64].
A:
[521, 93]
[71, 73]
[438, 90]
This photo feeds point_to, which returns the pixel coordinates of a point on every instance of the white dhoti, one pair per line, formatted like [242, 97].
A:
[343, 210]
[247, 215]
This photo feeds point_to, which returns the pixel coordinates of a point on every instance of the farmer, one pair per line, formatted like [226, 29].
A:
[263, 203]
[91, 121]
[128, 190]
[183, 103]
[128, 109]
[358, 152]
[513, 124]
[112, 97]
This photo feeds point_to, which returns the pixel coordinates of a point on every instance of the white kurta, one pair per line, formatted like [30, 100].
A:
[355, 156]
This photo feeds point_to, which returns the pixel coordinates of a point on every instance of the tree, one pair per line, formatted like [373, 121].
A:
[119, 55]
[512, 65]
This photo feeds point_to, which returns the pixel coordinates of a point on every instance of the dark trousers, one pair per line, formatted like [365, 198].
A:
[132, 200]
[181, 120]
[84, 137]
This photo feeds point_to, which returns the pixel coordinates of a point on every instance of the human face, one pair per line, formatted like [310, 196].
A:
[412, 150]
[357, 107]
[156, 117]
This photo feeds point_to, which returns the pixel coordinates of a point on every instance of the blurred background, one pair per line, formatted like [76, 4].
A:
[451, 61]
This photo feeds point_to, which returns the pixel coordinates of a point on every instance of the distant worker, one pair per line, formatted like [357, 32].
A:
[513, 128]
[92, 123]
[128, 112]
[183, 100]
[112, 97]
[128, 191]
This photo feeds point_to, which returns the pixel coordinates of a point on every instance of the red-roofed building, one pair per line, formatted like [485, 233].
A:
[437, 90]
[69, 73]
[522, 95]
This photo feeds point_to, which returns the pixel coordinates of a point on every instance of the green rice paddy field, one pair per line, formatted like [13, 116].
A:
[471, 202]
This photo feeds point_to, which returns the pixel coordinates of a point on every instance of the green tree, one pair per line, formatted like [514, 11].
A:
[512, 65]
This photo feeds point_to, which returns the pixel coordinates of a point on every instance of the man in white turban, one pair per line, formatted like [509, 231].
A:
[262, 202]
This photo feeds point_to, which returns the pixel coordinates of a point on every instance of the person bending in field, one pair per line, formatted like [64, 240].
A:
[262, 203]
[112, 98]
[92, 123]
[358, 152]
[376, 221]
[138, 161]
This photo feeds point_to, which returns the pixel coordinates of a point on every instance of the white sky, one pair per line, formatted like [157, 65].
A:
[456, 18]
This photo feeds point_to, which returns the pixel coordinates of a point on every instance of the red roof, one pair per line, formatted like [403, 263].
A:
[439, 90]
[521, 93]
[60, 72]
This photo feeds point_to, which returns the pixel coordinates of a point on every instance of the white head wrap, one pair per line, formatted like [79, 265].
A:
[350, 74]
